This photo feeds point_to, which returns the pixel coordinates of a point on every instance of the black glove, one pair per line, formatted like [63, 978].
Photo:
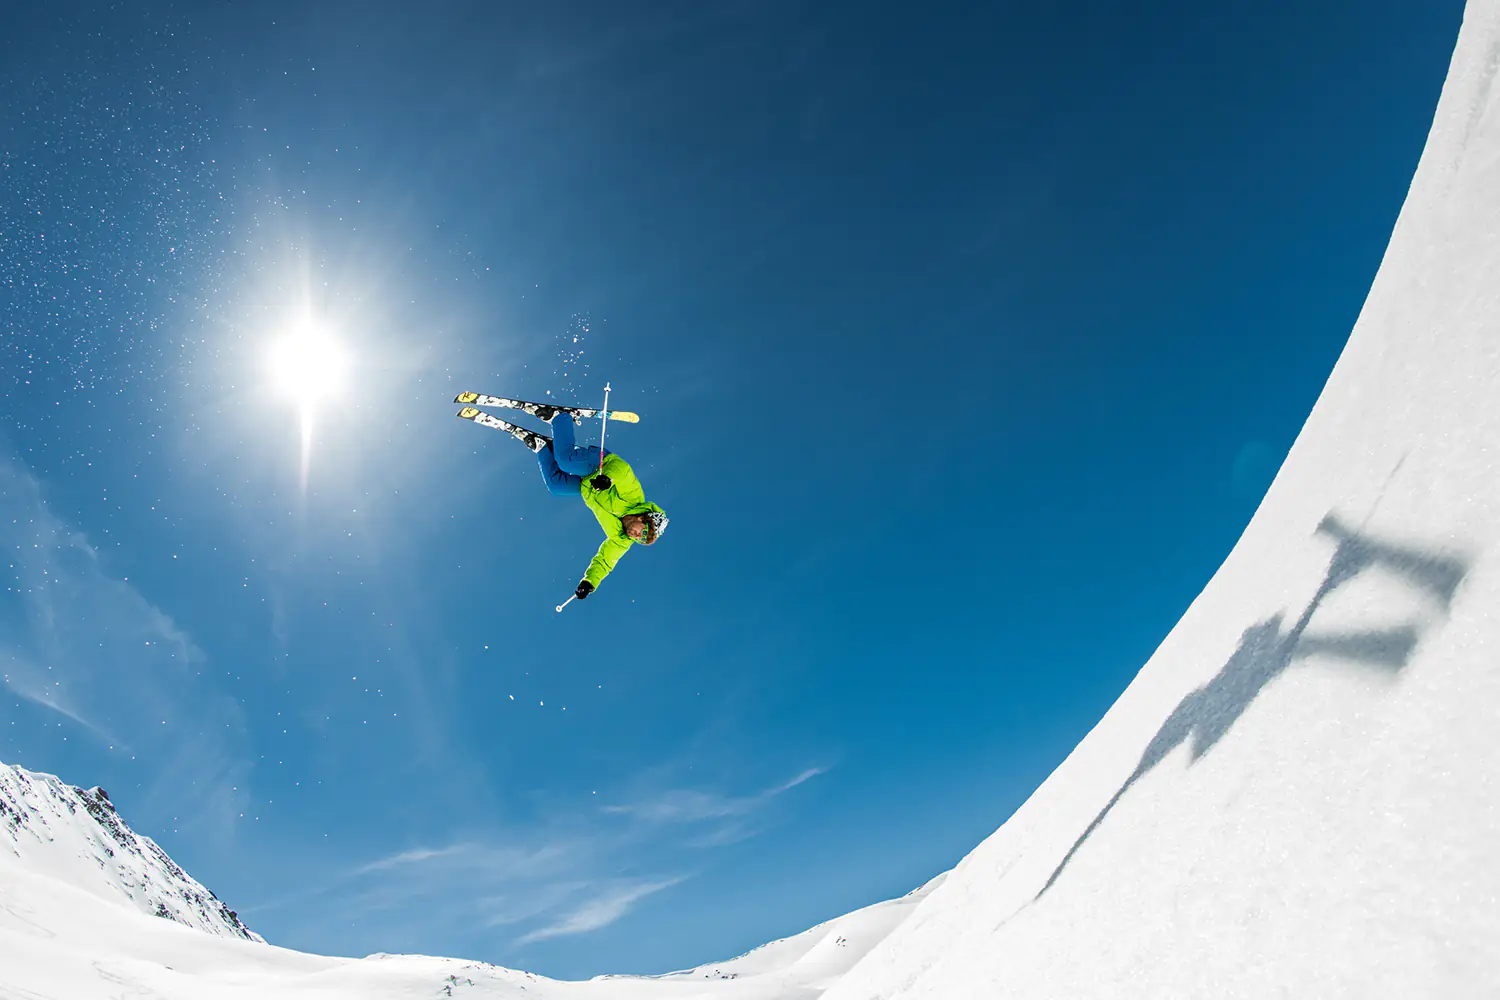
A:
[601, 482]
[584, 589]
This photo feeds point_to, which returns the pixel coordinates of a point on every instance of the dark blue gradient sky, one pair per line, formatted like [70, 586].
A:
[966, 339]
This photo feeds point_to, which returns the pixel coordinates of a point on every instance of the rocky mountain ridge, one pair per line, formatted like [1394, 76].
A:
[76, 835]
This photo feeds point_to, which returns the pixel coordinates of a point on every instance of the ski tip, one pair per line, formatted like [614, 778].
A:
[625, 417]
[466, 397]
[468, 413]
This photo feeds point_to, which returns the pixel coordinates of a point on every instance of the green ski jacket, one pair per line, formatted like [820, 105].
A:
[624, 496]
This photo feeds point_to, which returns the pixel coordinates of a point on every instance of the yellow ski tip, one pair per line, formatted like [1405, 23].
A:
[466, 397]
[625, 417]
[468, 413]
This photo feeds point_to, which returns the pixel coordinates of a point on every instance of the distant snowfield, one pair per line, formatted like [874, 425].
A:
[1299, 795]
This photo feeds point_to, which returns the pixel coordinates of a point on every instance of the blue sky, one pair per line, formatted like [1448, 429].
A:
[965, 342]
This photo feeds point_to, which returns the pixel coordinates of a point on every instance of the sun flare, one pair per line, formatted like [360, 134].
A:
[309, 367]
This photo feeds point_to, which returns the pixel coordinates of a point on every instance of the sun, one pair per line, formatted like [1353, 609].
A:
[309, 365]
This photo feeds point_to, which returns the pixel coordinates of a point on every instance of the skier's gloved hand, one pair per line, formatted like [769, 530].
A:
[584, 589]
[601, 482]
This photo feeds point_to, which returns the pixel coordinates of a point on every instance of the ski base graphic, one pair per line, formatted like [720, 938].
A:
[531, 439]
[542, 410]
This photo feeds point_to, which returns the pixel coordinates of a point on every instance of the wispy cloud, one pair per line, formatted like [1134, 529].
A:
[549, 888]
[89, 646]
[469, 872]
[693, 805]
[557, 879]
[788, 785]
[600, 911]
[473, 859]
[31, 682]
[414, 857]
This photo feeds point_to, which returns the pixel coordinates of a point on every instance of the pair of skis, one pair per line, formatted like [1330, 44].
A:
[545, 411]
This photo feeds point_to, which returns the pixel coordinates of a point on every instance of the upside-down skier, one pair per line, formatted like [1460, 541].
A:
[612, 492]
[609, 486]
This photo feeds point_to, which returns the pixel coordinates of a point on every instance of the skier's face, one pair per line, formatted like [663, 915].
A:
[638, 530]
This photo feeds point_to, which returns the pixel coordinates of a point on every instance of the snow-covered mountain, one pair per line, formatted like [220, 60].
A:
[77, 837]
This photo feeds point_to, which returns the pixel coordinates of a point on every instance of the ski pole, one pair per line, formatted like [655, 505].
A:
[566, 603]
[604, 417]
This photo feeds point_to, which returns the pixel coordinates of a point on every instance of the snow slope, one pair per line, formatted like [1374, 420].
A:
[810, 962]
[1299, 794]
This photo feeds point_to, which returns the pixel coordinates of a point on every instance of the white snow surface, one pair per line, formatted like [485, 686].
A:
[1297, 795]
[806, 964]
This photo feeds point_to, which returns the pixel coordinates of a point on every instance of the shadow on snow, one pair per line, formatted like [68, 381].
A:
[1266, 651]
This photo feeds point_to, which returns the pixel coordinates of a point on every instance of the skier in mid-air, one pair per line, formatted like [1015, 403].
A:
[611, 490]
[609, 487]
